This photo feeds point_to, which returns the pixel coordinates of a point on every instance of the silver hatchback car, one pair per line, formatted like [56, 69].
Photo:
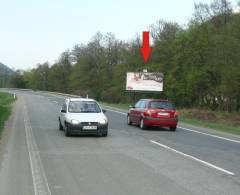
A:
[82, 116]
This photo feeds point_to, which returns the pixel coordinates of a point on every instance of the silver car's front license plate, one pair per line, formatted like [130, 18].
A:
[89, 127]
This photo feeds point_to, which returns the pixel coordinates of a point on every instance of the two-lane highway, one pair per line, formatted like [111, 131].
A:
[39, 159]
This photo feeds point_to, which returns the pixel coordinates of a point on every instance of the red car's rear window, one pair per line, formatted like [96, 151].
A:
[161, 105]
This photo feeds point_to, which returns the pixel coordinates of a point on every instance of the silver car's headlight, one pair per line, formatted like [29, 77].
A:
[103, 121]
[75, 122]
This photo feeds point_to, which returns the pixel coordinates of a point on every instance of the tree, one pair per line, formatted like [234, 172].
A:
[17, 80]
[200, 62]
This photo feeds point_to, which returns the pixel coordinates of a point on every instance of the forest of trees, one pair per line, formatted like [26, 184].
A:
[200, 62]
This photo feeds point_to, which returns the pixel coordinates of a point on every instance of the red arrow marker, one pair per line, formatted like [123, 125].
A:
[146, 49]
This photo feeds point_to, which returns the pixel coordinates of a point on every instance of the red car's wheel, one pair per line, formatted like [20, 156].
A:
[142, 125]
[129, 122]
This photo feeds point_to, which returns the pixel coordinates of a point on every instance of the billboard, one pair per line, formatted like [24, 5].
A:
[144, 81]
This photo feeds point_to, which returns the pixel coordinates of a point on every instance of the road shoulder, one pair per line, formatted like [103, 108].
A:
[15, 172]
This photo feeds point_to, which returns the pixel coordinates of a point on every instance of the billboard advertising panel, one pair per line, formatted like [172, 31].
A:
[144, 81]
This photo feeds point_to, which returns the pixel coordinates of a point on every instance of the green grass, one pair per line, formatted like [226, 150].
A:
[6, 100]
[222, 122]
[217, 126]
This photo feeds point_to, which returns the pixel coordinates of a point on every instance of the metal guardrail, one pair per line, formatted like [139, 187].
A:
[63, 94]
[17, 89]
[49, 92]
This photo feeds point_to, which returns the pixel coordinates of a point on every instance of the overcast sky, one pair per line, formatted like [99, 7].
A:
[36, 31]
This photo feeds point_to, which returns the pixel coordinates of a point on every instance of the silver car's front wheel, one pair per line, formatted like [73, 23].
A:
[67, 131]
[60, 127]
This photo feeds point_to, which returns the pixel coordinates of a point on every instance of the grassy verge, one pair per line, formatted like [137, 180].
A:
[222, 121]
[216, 126]
[6, 100]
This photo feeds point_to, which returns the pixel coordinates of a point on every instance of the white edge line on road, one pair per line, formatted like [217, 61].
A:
[40, 182]
[186, 129]
[193, 158]
[119, 112]
[216, 136]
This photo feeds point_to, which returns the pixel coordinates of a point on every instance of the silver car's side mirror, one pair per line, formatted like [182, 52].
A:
[63, 111]
[104, 111]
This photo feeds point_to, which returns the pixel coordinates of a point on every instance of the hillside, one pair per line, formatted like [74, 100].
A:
[5, 75]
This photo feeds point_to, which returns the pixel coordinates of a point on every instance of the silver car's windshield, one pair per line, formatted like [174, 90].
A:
[83, 107]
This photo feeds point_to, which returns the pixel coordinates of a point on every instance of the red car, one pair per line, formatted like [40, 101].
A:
[153, 112]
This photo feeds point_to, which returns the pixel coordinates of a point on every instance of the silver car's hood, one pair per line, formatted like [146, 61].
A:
[86, 117]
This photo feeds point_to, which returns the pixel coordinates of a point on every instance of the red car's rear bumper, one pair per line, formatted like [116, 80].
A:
[149, 121]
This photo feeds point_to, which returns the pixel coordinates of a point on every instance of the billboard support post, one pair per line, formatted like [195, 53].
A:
[134, 97]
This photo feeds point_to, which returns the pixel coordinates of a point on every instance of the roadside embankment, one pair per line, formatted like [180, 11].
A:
[6, 100]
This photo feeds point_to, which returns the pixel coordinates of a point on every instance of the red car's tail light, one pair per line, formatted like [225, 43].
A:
[176, 114]
[147, 113]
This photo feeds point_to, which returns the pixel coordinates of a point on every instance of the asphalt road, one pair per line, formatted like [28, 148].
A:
[38, 159]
